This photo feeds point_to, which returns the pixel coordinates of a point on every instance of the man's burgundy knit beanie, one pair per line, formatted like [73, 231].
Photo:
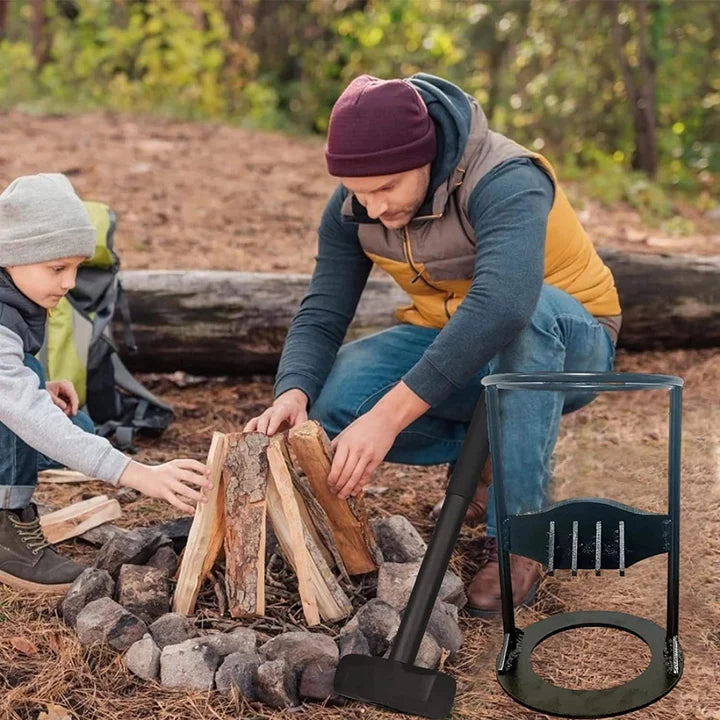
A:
[378, 127]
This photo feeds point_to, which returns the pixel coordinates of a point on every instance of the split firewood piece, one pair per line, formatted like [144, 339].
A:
[62, 476]
[75, 519]
[303, 550]
[206, 533]
[246, 480]
[347, 518]
[314, 516]
[289, 518]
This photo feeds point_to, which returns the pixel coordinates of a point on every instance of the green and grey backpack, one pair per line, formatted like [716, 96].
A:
[79, 345]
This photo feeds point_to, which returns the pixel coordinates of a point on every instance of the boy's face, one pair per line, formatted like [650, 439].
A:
[46, 283]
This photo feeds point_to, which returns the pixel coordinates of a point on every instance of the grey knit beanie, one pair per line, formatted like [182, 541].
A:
[41, 218]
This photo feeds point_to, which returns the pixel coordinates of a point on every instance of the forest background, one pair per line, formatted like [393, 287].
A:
[622, 95]
[201, 122]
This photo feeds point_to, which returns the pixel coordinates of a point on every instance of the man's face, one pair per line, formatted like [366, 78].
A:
[392, 199]
[46, 283]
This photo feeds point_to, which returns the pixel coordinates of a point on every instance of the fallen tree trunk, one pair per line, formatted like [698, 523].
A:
[234, 323]
[668, 301]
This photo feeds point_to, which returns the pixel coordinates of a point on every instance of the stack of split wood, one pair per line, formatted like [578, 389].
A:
[323, 538]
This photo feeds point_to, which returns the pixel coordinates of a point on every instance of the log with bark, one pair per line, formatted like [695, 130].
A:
[246, 485]
[234, 323]
[227, 323]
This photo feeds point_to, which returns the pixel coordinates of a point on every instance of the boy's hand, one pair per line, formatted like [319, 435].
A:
[64, 395]
[289, 408]
[169, 482]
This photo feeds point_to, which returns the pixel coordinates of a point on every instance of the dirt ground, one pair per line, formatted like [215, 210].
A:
[251, 201]
[210, 196]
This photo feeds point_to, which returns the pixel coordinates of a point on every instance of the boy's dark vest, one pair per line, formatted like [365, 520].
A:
[21, 315]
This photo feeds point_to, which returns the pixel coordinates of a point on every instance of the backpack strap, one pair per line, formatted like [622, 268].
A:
[125, 380]
[123, 306]
[124, 435]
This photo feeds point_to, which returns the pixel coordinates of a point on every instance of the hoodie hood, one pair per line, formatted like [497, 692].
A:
[452, 112]
[21, 315]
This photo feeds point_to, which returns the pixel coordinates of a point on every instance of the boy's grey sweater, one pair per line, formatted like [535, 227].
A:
[28, 411]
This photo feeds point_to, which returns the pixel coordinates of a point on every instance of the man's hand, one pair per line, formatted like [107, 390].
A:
[289, 408]
[363, 444]
[64, 395]
[359, 449]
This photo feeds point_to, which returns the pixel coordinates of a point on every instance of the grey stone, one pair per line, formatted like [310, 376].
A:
[91, 584]
[240, 640]
[173, 629]
[443, 626]
[165, 559]
[398, 540]
[191, 665]
[143, 658]
[134, 547]
[378, 622]
[144, 591]
[396, 580]
[103, 620]
[299, 648]
[239, 670]
[277, 684]
[316, 681]
[353, 643]
[428, 654]
[177, 530]
[101, 534]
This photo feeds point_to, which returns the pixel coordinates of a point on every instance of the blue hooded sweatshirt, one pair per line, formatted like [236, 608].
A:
[508, 210]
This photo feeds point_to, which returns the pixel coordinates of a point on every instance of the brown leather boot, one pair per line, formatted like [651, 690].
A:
[27, 561]
[484, 589]
[477, 510]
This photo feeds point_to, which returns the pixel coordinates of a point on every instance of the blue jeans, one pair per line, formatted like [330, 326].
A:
[19, 463]
[561, 337]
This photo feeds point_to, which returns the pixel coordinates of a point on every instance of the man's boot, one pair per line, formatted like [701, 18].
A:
[27, 560]
[477, 510]
[484, 590]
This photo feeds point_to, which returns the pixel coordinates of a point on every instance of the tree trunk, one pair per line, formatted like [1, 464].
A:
[497, 54]
[640, 87]
[228, 323]
[4, 5]
[233, 11]
[235, 323]
[668, 301]
[39, 29]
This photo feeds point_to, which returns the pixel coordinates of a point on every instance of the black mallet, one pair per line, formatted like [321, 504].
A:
[395, 682]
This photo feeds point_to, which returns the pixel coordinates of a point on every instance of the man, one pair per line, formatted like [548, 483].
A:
[501, 278]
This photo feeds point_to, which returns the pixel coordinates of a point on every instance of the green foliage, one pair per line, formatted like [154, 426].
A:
[546, 71]
[157, 58]
[17, 72]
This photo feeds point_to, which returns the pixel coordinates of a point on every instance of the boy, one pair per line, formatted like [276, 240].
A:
[45, 233]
